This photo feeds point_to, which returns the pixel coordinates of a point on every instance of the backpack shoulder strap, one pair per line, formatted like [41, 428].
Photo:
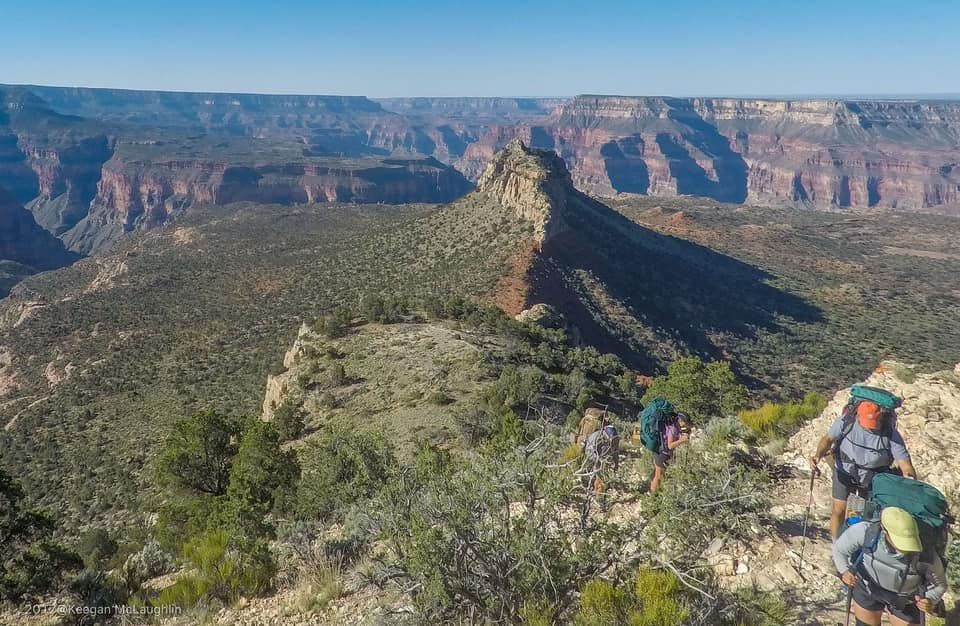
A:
[870, 542]
[849, 417]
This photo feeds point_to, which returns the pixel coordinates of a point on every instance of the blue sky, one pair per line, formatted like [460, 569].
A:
[497, 47]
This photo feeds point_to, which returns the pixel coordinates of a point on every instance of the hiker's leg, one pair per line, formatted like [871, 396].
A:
[836, 517]
[657, 477]
[866, 617]
[839, 510]
[896, 621]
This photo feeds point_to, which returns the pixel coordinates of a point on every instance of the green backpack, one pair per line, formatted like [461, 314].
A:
[923, 501]
[654, 417]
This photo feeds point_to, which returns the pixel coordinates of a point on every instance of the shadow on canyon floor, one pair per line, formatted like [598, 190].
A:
[633, 291]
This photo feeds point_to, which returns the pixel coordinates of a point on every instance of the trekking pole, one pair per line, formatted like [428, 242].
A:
[849, 602]
[806, 518]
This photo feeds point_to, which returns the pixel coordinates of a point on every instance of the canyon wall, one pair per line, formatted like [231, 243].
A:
[91, 164]
[137, 195]
[148, 155]
[25, 247]
[893, 154]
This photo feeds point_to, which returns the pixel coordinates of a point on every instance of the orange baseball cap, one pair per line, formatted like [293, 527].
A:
[868, 414]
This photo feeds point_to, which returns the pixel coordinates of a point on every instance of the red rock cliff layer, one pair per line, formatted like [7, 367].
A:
[903, 155]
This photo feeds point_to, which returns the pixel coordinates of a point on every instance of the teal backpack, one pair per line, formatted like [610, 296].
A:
[923, 501]
[887, 402]
[654, 417]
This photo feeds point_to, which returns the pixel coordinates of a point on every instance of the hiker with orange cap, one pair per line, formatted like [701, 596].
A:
[864, 442]
[885, 566]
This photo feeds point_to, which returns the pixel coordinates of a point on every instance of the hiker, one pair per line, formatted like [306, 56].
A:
[602, 448]
[864, 442]
[593, 420]
[880, 562]
[676, 432]
[602, 451]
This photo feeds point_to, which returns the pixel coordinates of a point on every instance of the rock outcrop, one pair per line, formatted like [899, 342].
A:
[533, 183]
[889, 154]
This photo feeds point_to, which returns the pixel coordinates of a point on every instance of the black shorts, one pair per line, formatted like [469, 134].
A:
[843, 487]
[903, 608]
[660, 459]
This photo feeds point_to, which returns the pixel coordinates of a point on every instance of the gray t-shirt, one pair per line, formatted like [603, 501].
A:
[863, 452]
[601, 448]
[888, 569]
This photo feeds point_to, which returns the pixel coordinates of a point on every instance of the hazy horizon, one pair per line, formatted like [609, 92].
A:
[428, 48]
[759, 96]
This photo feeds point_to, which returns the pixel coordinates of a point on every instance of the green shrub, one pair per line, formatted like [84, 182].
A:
[655, 598]
[339, 467]
[334, 325]
[493, 539]
[321, 586]
[439, 398]
[602, 604]
[31, 561]
[708, 493]
[94, 589]
[336, 375]
[385, 310]
[752, 606]
[703, 391]
[507, 431]
[538, 613]
[289, 418]
[327, 400]
[659, 595]
[149, 562]
[96, 548]
[520, 385]
[262, 475]
[182, 517]
[781, 420]
[197, 454]
[431, 461]
[220, 568]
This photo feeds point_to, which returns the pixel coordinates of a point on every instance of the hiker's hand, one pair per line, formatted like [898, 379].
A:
[814, 464]
[849, 579]
[926, 606]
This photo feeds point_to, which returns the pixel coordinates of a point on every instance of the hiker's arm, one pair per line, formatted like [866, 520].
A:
[906, 468]
[673, 443]
[936, 581]
[901, 457]
[823, 449]
[847, 545]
